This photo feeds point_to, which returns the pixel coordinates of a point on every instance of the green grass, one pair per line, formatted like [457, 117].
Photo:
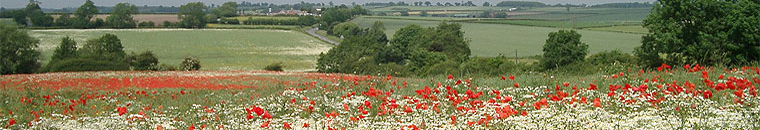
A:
[493, 39]
[217, 49]
[240, 26]
[626, 29]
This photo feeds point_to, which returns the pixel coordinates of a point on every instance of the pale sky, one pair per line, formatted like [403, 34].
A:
[77, 3]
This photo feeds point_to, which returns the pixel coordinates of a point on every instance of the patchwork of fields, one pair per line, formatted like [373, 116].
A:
[218, 49]
[493, 39]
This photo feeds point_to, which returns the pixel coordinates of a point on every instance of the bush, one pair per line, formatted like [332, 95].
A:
[562, 48]
[143, 61]
[190, 64]
[147, 24]
[72, 65]
[611, 57]
[275, 67]
[491, 66]
[18, 52]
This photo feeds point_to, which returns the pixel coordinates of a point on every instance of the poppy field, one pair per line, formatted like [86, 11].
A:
[669, 97]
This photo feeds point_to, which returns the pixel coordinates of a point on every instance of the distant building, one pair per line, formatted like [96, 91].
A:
[291, 12]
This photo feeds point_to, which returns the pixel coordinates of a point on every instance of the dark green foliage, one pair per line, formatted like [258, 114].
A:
[70, 65]
[404, 13]
[414, 50]
[706, 32]
[306, 20]
[562, 48]
[347, 29]
[108, 47]
[121, 17]
[17, 51]
[147, 24]
[339, 14]
[192, 15]
[84, 14]
[228, 9]
[275, 67]
[64, 20]
[67, 50]
[36, 16]
[190, 64]
[624, 5]
[164, 67]
[491, 66]
[520, 4]
[611, 57]
[486, 3]
[143, 61]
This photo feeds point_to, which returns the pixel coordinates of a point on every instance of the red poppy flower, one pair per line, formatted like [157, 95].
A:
[286, 126]
[517, 85]
[121, 110]
[265, 125]
[597, 103]
[503, 78]
[511, 77]
[192, 127]
[305, 125]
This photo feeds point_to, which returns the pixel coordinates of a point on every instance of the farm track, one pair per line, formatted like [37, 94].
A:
[312, 32]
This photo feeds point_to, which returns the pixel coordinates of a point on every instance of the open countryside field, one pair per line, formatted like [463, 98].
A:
[626, 29]
[669, 98]
[217, 49]
[492, 39]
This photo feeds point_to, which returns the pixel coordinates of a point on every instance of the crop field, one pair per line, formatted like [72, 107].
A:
[627, 29]
[217, 49]
[242, 18]
[493, 39]
[438, 8]
[677, 97]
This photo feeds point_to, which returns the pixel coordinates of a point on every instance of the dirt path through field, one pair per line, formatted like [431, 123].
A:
[312, 32]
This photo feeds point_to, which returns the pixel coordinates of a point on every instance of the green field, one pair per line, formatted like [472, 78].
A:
[241, 26]
[547, 17]
[493, 39]
[626, 29]
[218, 49]
[242, 18]
[437, 8]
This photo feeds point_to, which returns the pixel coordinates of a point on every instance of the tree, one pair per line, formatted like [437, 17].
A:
[486, 3]
[17, 51]
[67, 50]
[228, 9]
[107, 47]
[346, 29]
[192, 15]
[64, 20]
[427, 3]
[706, 32]
[36, 16]
[562, 48]
[143, 61]
[121, 17]
[84, 14]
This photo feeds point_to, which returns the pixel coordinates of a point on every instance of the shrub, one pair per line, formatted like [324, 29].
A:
[190, 64]
[163, 67]
[562, 48]
[70, 65]
[18, 52]
[611, 57]
[143, 61]
[275, 67]
[491, 66]
[147, 24]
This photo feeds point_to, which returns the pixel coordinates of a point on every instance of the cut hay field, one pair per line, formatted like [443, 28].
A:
[668, 98]
[217, 49]
[493, 39]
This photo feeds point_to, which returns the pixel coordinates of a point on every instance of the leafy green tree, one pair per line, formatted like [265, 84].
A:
[306, 20]
[449, 39]
[36, 16]
[424, 13]
[143, 61]
[486, 3]
[563, 48]
[108, 47]
[147, 24]
[121, 16]
[84, 14]
[228, 9]
[346, 29]
[67, 50]
[64, 20]
[707, 32]
[17, 51]
[192, 15]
